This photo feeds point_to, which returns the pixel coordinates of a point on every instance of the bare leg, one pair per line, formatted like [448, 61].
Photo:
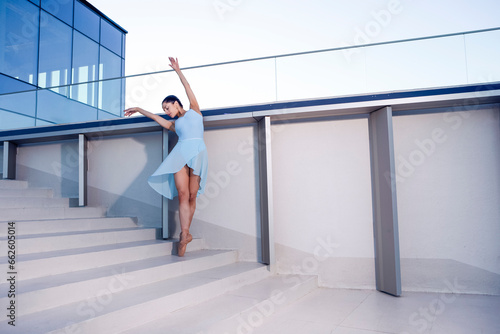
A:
[187, 187]
[182, 183]
[194, 185]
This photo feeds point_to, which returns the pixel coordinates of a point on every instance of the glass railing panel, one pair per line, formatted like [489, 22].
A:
[454, 60]
[102, 115]
[10, 120]
[483, 56]
[40, 122]
[251, 82]
[57, 108]
[148, 91]
[322, 74]
[110, 96]
[438, 62]
[84, 93]
[20, 103]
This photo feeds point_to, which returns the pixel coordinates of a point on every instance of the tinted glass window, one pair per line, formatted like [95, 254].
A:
[111, 37]
[110, 65]
[62, 9]
[10, 85]
[110, 98]
[85, 65]
[55, 53]
[19, 39]
[86, 21]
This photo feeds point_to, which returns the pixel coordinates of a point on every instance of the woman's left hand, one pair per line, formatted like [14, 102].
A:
[174, 63]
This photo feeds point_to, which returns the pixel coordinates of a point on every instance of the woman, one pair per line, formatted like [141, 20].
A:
[183, 172]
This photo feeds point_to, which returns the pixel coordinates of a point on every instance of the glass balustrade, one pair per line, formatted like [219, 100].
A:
[99, 92]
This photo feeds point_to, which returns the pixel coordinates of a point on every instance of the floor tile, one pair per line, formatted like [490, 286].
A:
[346, 330]
[388, 314]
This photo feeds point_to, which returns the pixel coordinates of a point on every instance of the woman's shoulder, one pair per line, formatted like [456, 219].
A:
[196, 112]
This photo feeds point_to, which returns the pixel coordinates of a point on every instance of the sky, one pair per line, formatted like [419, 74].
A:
[201, 32]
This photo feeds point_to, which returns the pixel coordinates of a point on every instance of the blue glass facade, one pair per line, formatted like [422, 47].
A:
[52, 54]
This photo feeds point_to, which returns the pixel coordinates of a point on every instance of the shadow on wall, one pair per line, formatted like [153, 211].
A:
[69, 169]
[218, 237]
[127, 160]
[53, 166]
[1, 162]
[148, 215]
[41, 179]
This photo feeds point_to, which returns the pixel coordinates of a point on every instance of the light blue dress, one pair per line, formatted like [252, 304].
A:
[190, 150]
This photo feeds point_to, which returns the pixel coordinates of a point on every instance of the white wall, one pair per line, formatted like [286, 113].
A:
[448, 193]
[227, 214]
[448, 187]
[322, 200]
[119, 166]
[50, 165]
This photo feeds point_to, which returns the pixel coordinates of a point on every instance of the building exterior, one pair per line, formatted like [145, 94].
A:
[400, 138]
[52, 54]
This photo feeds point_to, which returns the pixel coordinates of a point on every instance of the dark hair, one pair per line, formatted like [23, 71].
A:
[173, 99]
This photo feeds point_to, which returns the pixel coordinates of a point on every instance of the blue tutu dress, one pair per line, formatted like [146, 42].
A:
[190, 150]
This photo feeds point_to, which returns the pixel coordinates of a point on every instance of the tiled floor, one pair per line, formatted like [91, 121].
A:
[331, 311]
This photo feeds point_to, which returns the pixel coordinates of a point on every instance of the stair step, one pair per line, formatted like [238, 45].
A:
[53, 291]
[44, 193]
[68, 225]
[51, 213]
[115, 309]
[37, 243]
[70, 260]
[13, 184]
[33, 202]
[238, 311]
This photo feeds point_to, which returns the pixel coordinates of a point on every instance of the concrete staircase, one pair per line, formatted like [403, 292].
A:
[78, 271]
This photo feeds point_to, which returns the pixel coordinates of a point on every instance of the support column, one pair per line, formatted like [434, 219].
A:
[164, 206]
[385, 215]
[82, 170]
[266, 191]
[9, 160]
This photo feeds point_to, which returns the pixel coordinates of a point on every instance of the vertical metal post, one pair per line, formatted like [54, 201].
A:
[266, 191]
[82, 170]
[385, 216]
[9, 160]
[164, 206]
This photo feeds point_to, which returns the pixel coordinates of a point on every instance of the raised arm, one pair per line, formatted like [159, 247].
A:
[193, 103]
[157, 118]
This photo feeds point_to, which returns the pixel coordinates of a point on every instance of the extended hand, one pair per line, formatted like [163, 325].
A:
[174, 63]
[130, 111]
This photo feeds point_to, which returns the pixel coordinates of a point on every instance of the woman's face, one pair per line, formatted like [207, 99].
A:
[170, 108]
